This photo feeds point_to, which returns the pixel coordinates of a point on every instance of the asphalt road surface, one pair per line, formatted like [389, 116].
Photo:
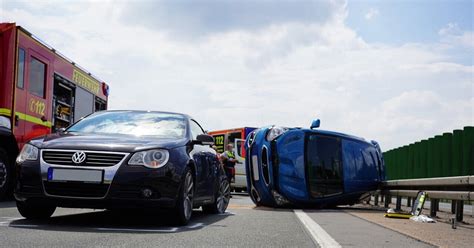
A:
[242, 225]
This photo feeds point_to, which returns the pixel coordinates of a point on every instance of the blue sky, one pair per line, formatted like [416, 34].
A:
[400, 22]
[392, 71]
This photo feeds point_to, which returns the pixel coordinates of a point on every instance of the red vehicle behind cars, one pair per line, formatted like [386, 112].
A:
[41, 91]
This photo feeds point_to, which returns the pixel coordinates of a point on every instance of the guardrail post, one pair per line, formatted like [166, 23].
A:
[433, 207]
[453, 206]
[409, 202]
[399, 203]
[376, 199]
[459, 210]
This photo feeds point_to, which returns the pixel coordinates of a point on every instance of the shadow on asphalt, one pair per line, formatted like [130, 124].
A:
[120, 221]
[240, 193]
[322, 210]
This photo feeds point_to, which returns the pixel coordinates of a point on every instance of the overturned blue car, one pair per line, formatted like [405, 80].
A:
[310, 167]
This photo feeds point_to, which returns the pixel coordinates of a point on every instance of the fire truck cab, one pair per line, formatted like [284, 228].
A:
[41, 91]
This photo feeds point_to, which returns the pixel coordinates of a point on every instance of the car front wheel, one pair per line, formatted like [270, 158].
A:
[184, 205]
[222, 199]
[4, 174]
[34, 211]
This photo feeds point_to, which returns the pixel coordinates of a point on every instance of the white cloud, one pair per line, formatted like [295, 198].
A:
[454, 35]
[371, 14]
[283, 73]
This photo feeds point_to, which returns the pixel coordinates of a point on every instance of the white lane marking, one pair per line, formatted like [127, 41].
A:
[195, 225]
[21, 225]
[7, 220]
[227, 213]
[174, 229]
[321, 237]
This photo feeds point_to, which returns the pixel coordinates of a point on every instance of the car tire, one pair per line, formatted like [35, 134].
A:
[5, 175]
[34, 211]
[221, 199]
[254, 198]
[184, 204]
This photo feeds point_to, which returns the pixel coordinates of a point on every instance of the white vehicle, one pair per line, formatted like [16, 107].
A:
[240, 182]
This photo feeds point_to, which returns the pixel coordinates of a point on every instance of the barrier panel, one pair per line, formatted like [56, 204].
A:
[446, 155]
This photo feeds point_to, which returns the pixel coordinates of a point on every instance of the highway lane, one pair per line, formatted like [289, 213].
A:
[242, 225]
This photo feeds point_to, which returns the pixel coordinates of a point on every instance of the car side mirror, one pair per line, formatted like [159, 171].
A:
[315, 123]
[205, 139]
[61, 130]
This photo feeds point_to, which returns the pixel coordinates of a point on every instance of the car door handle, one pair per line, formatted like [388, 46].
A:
[17, 119]
[43, 118]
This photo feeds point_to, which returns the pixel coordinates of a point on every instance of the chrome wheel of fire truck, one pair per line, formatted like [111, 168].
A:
[4, 174]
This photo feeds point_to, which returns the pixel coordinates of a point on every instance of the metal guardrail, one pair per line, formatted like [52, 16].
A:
[435, 181]
[457, 189]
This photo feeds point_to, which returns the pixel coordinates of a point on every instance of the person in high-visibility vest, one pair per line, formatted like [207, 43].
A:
[229, 161]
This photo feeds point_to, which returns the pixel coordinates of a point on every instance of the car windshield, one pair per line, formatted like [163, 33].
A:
[163, 125]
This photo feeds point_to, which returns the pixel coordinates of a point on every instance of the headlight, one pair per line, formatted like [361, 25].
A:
[275, 132]
[251, 138]
[152, 159]
[28, 152]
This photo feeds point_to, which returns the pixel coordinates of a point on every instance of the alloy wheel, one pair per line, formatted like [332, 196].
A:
[188, 196]
[3, 174]
[223, 196]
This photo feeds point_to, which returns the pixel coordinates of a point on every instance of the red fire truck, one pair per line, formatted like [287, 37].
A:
[41, 91]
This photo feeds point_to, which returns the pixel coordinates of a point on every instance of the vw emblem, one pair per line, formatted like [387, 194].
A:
[79, 157]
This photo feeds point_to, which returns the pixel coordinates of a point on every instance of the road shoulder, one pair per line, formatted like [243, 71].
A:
[440, 234]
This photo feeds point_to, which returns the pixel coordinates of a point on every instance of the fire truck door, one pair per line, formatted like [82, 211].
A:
[32, 114]
[20, 96]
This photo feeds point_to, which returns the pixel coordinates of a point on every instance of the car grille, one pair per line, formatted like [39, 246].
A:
[76, 189]
[99, 159]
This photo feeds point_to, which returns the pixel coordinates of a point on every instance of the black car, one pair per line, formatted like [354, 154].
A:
[122, 159]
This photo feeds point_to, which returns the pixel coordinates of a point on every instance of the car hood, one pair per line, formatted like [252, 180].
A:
[117, 143]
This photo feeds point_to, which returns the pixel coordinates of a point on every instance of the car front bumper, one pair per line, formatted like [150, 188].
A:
[126, 187]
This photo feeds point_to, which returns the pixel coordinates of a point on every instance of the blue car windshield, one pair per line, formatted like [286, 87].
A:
[162, 125]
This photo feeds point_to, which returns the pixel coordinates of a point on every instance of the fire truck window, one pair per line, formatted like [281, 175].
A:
[37, 78]
[21, 69]
[99, 104]
[233, 136]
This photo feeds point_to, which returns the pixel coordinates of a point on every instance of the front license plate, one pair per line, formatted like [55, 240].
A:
[90, 176]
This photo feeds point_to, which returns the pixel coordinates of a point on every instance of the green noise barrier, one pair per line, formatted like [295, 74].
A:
[444, 155]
